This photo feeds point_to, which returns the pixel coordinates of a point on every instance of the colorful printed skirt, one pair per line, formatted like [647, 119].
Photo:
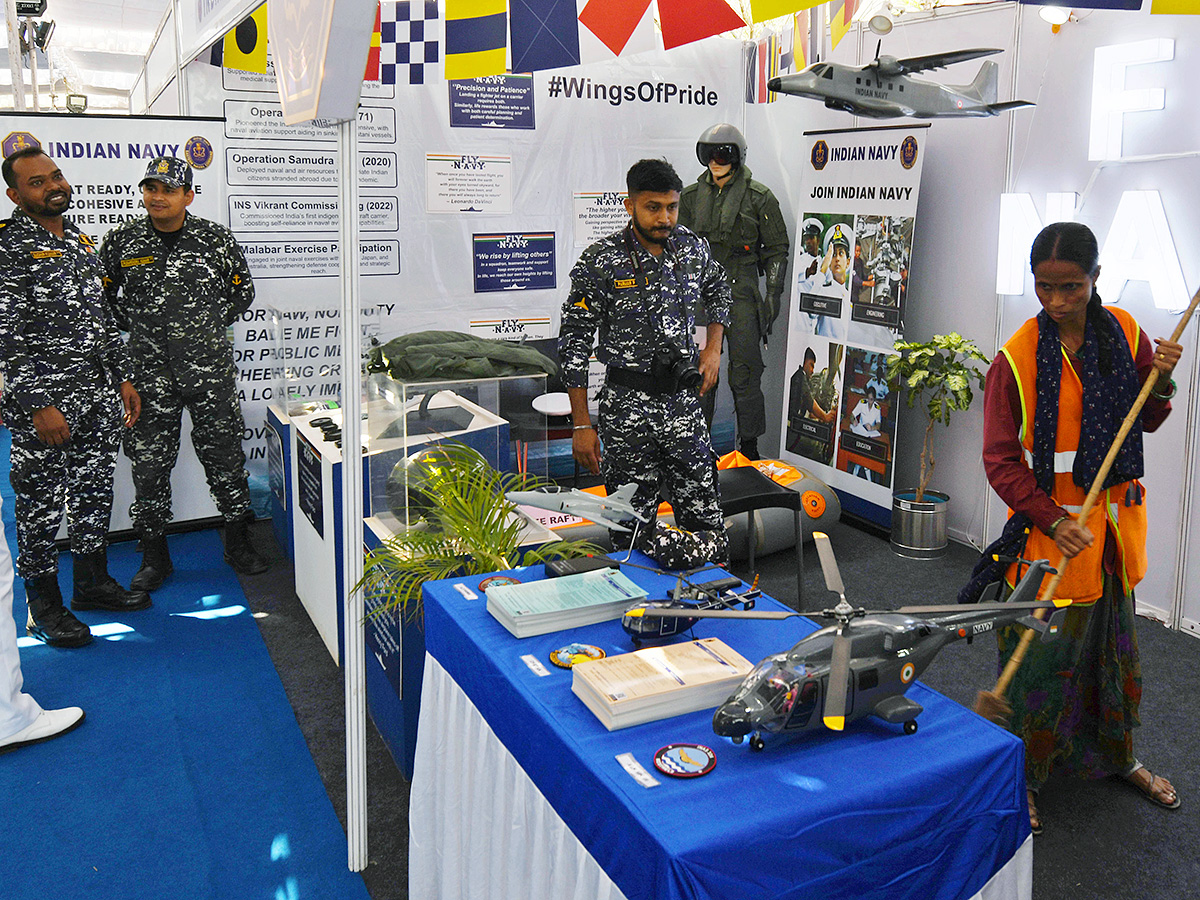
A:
[1075, 698]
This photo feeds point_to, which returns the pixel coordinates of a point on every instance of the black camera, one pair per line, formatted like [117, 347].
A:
[672, 364]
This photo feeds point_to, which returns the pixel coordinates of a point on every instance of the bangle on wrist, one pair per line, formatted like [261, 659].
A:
[584, 427]
[1165, 395]
[1054, 525]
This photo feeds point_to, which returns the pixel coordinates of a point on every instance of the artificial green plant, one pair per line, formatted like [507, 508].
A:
[466, 527]
[938, 372]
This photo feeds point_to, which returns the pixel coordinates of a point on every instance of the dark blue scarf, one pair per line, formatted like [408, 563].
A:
[1110, 387]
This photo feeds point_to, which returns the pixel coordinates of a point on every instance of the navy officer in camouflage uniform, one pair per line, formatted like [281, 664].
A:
[176, 282]
[67, 388]
[740, 219]
[640, 288]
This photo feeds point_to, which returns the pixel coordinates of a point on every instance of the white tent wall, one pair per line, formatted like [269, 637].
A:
[586, 145]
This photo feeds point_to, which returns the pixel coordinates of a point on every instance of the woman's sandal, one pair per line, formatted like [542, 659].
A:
[1035, 820]
[1152, 787]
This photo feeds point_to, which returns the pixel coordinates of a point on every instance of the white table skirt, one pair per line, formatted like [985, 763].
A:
[479, 829]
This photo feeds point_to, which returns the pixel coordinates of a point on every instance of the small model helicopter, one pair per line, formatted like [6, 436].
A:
[608, 511]
[719, 593]
[882, 89]
[864, 664]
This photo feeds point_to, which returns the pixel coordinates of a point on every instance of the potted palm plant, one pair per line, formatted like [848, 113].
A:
[461, 524]
[940, 374]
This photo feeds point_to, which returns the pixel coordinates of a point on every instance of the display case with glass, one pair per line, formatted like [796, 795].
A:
[495, 416]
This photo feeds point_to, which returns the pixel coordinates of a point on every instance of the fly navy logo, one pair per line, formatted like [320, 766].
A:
[582, 304]
[198, 151]
[19, 140]
[820, 155]
[87, 242]
[908, 152]
[136, 261]
[623, 283]
[45, 254]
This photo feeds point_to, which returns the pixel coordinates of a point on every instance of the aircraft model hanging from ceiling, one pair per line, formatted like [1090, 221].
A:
[864, 664]
[883, 88]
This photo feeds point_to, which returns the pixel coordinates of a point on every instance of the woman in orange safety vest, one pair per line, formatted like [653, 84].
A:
[1056, 396]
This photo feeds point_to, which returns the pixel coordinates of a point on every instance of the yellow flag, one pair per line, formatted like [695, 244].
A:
[246, 45]
[761, 10]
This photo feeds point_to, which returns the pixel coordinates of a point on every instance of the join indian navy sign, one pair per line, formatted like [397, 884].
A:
[849, 295]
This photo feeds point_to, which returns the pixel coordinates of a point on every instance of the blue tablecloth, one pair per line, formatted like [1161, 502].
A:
[871, 813]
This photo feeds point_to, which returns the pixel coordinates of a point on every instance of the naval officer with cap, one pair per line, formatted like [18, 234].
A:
[176, 283]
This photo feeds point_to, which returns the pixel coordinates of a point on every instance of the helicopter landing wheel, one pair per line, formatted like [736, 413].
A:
[910, 727]
[756, 742]
[738, 738]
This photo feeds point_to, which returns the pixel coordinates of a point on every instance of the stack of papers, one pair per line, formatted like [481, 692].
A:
[540, 607]
[658, 682]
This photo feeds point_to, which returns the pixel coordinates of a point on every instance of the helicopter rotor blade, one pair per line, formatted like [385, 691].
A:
[972, 607]
[833, 577]
[693, 613]
[834, 716]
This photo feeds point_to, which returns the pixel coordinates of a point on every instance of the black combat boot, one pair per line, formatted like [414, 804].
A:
[156, 565]
[239, 552]
[49, 620]
[749, 448]
[96, 589]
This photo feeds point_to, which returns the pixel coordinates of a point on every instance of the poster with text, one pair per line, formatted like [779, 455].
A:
[855, 230]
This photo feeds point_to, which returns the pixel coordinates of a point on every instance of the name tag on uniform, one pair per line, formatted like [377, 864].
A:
[624, 284]
[138, 261]
[45, 254]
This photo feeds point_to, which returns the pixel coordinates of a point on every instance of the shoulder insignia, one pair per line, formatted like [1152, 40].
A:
[582, 304]
[45, 254]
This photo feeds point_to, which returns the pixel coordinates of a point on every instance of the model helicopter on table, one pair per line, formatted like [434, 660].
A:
[687, 595]
[863, 664]
[882, 89]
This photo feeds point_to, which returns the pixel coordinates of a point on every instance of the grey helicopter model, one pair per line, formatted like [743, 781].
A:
[883, 88]
[864, 664]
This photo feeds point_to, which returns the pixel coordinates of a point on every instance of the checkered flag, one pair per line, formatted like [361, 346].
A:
[409, 37]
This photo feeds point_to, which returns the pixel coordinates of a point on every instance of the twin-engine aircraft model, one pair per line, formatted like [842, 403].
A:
[882, 89]
[864, 664]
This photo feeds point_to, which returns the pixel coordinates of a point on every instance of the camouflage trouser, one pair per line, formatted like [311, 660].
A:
[744, 342]
[77, 474]
[152, 445]
[660, 443]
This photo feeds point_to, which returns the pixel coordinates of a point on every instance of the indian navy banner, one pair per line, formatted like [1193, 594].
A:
[857, 210]
[103, 159]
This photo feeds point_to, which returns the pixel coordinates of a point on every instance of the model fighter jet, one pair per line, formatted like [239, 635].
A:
[882, 89]
[609, 511]
[864, 664]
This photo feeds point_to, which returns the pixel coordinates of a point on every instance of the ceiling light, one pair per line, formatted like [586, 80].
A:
[880, 25]
[1055, 15]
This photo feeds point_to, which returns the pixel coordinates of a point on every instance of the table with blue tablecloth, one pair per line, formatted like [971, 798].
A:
[518, 790]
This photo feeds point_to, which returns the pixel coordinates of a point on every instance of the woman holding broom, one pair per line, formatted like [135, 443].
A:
[1056, 396]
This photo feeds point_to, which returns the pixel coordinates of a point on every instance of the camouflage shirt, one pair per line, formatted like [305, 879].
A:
[176, 303]
[56, 331]
[640, 303]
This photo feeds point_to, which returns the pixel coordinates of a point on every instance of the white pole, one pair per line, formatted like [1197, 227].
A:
[33, 67]
[14, 55]
[353, 653]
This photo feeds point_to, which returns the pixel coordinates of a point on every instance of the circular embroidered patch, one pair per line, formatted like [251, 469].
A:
[685, 760]
[565, 657]
[495, 580]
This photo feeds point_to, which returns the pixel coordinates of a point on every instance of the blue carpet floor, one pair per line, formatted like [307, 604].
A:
[190, 777]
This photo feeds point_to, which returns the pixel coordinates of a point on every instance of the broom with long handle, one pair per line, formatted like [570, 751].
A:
[991, 704]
